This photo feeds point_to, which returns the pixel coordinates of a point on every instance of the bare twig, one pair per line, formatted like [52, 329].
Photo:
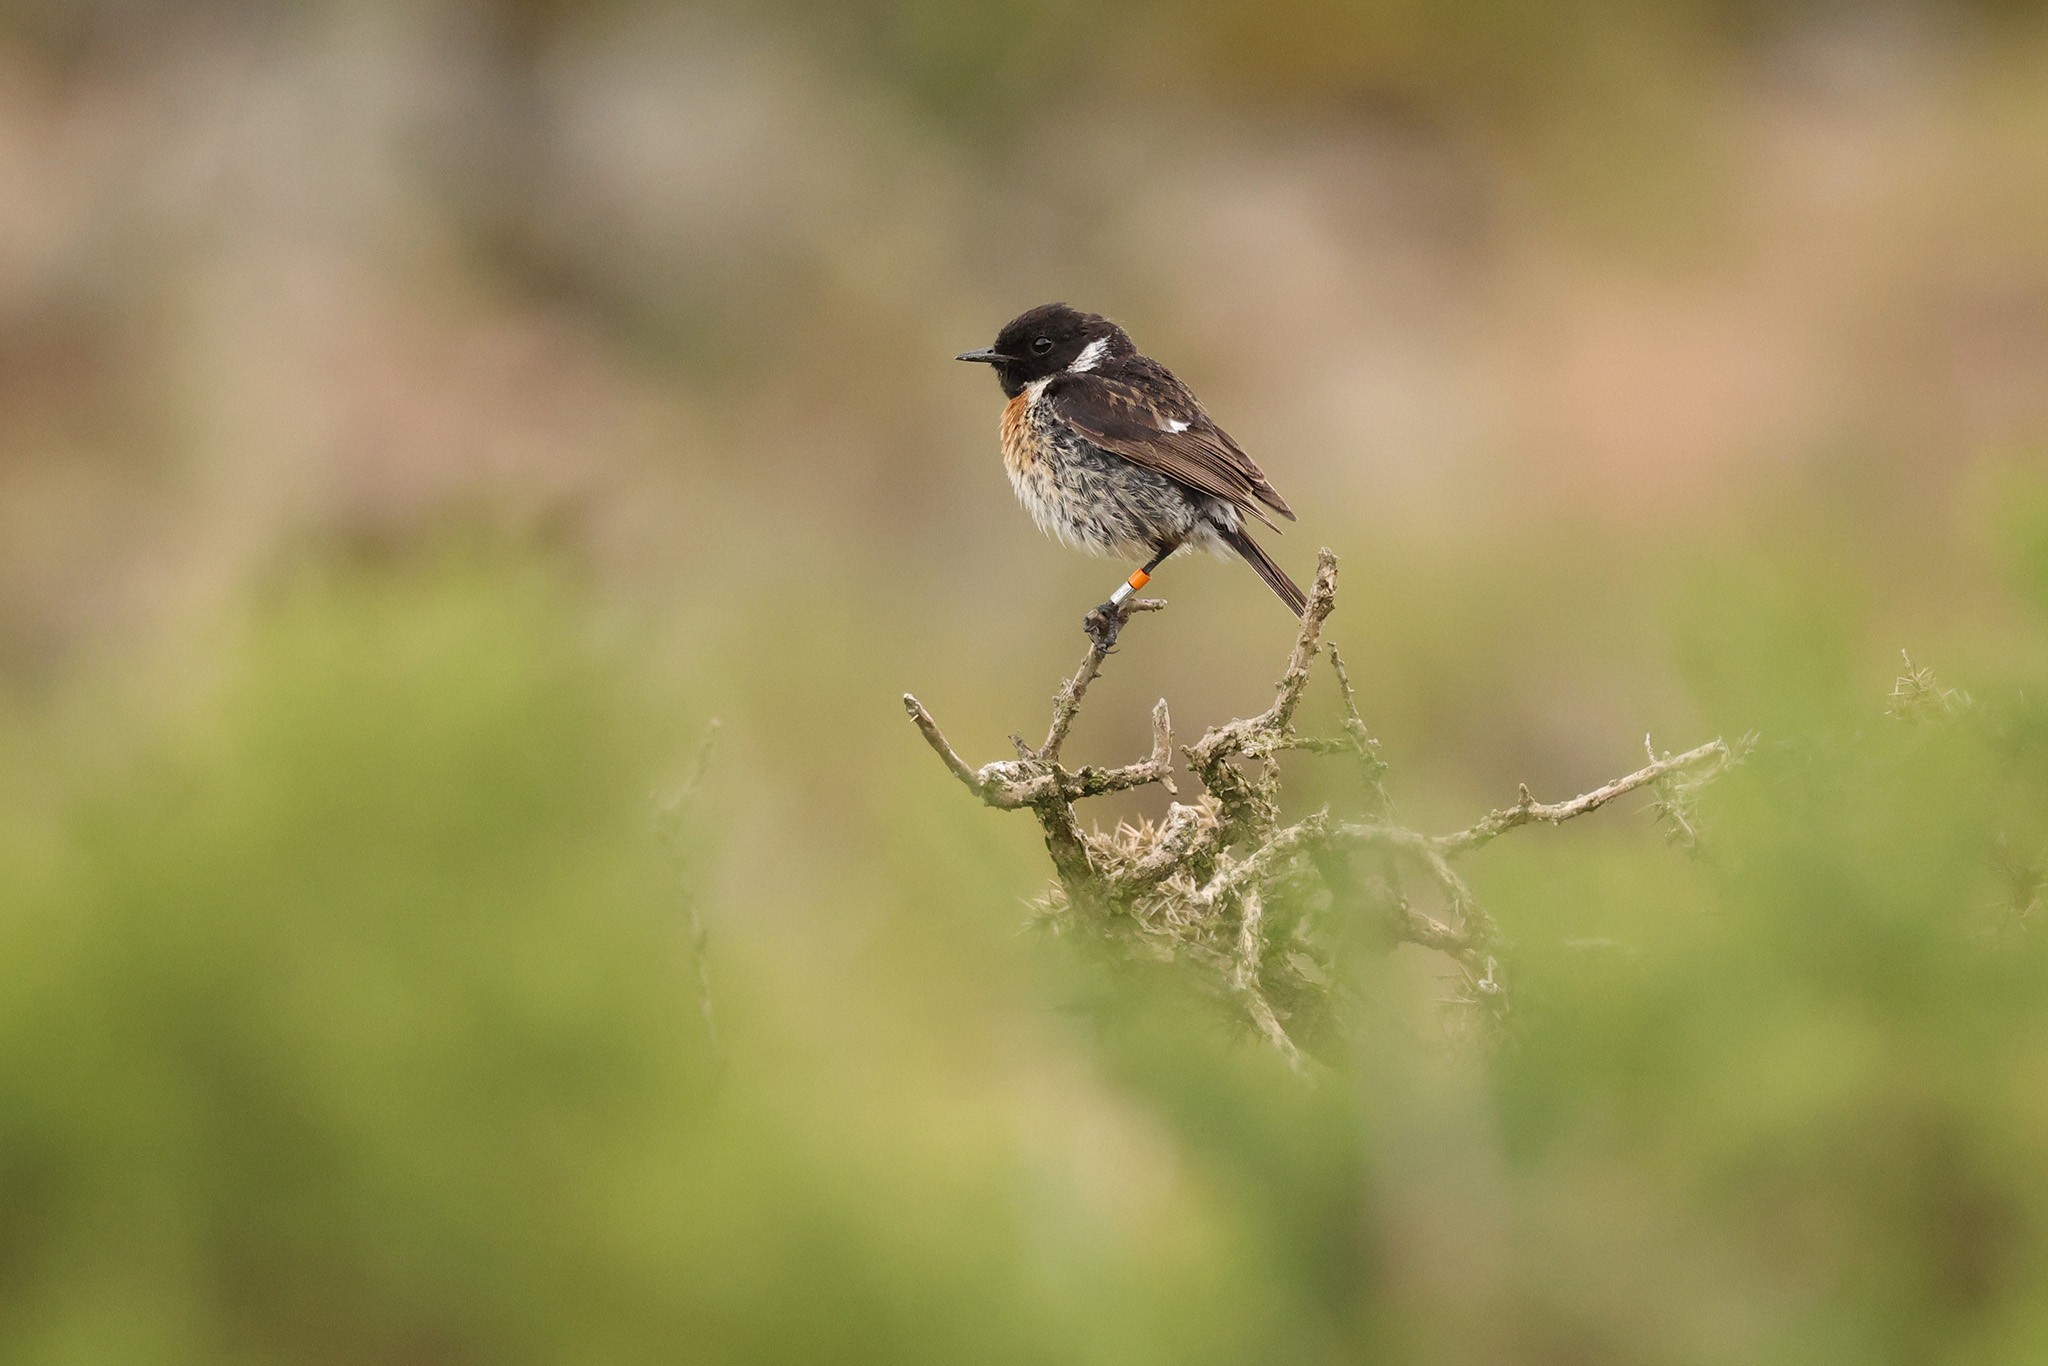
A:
[1251, 952]
[1528, 809]
[1255, 736]
[936, 738]
[1066, 704]
[1371, 765]
[1093, 782]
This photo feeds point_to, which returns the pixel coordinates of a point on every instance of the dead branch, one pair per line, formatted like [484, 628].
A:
[1528, 809]
[1220, 883]
[1066, 704]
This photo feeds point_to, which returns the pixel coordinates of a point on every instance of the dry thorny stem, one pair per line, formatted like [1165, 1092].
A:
[669, 824]
[1257, 905]
[1918, 696]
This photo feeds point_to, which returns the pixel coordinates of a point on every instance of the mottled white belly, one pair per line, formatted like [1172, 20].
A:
[1097, 501]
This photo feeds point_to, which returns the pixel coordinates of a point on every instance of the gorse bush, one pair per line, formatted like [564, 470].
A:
[1810, 1082]
[348, 1012]
[337, 1014]
[348, 1015]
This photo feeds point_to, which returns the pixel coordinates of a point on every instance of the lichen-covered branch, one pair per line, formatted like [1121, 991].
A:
[1253, 904]
[947, 755]
[1713, 755]
[1066, 704]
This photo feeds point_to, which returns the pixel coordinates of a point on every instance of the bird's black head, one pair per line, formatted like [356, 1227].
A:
[1047, 340]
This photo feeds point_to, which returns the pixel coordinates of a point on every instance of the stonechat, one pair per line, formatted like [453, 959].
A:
[1115, 456]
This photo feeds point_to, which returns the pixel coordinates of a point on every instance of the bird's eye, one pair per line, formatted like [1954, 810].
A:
[1041, 346]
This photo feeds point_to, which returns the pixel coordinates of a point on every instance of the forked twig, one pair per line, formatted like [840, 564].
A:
[1714, 755]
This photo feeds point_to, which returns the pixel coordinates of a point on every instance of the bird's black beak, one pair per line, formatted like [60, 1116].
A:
[988, 355]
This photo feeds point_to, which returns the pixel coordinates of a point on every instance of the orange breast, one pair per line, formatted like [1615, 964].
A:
[1017, 451]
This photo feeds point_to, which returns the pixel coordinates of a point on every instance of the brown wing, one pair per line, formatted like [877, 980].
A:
[1141, 412]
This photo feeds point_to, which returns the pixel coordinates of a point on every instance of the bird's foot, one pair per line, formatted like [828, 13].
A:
[1103, 625]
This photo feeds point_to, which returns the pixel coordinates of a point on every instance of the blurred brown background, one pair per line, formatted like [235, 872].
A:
[1518, 302]
[682, 282]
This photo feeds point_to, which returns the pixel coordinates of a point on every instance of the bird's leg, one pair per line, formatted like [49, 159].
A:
[1105, 622]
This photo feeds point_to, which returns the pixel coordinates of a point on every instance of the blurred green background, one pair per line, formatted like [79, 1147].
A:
[417, 421]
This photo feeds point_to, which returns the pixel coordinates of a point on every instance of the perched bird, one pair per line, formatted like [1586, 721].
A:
[1113, 455]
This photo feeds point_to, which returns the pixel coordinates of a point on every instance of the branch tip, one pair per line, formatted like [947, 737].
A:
[936, 738]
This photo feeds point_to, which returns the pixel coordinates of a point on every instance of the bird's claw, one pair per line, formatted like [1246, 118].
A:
[1103, 625]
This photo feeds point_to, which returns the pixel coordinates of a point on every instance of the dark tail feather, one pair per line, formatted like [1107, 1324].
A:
[1276, 578]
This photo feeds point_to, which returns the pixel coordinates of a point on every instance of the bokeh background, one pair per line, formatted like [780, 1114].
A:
[419, 421]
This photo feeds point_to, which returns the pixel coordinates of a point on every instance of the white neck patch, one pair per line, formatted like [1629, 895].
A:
[1090, 357]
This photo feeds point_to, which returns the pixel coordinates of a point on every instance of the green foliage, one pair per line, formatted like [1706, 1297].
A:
[337, 1010]
[347, 1013]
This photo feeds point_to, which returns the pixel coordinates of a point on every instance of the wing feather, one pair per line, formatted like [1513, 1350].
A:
[1142, 413]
